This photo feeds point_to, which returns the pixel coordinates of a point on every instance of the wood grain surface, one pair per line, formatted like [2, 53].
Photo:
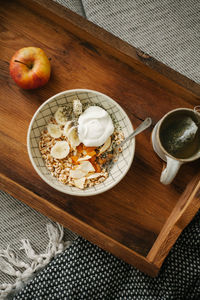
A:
[139, 219]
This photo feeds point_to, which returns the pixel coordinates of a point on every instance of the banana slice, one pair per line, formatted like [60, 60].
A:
[67, 127]
[105, 146]
[60, 150]
[54, 130]
[60, 115]
[73, 137]
[77, 107]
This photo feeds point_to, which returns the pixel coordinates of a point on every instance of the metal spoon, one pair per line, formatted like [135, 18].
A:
[144, 125]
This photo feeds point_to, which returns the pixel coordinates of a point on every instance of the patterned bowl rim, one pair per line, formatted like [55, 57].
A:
[77, 193]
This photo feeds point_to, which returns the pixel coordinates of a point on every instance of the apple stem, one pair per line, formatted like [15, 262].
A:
[18, 61]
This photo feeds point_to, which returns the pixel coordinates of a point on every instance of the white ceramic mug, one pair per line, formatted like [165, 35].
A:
[173, 163]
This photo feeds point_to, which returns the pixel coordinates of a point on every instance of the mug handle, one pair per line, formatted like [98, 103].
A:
[170, 171]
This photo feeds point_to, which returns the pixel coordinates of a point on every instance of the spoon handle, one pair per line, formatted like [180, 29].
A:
[144, 125]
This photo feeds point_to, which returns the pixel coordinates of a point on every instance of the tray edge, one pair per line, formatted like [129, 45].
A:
[183, 212]
[152, 68]
[77, 226]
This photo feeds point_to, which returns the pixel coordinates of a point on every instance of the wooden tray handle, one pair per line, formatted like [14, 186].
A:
[181, 215]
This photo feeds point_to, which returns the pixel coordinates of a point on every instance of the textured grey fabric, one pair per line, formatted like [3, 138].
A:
[86, 272]
[74, 5]
[17, 222]
[167, 30]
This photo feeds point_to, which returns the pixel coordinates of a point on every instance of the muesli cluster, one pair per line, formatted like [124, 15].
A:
[78, 144]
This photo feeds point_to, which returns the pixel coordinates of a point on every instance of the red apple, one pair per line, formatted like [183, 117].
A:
[30, 68]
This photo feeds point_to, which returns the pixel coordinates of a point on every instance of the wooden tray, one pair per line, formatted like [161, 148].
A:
[140, 219]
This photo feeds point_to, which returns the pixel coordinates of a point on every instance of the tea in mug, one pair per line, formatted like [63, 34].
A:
[180, 134]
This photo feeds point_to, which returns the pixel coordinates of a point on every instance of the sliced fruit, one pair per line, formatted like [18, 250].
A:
[86, 167]
[105, 146]
[60, 150]
[73, 137]
[93, 159]
[89, 149]
[77, 107]
[67, 127]
[97, 167]
[80, 148]
[60, 116]
[74, 159]
[76, 173]
[92, 153]
[87, 157]
[54, 130]
[79, 183]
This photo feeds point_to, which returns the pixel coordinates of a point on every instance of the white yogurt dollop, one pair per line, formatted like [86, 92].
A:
[94, 126]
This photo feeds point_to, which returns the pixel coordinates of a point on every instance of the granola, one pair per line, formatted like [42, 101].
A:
[93, 161]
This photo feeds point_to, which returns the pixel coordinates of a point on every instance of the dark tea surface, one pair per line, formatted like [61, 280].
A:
[180, 135]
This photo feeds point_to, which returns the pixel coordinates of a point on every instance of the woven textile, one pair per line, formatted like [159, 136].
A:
[74, 5]
[84, 271]
[17, 222]
[167, 30]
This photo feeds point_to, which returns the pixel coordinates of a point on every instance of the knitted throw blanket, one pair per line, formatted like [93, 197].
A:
[84, 271]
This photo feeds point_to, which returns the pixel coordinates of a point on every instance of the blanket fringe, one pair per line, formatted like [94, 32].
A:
[9, 261]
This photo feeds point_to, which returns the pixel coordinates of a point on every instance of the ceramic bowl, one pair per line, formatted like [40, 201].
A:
[41, 119]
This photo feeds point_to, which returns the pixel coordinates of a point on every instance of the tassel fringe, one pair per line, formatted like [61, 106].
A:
[9, 262]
